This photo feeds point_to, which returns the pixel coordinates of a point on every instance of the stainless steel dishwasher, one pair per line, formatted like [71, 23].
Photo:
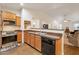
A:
[48, 46]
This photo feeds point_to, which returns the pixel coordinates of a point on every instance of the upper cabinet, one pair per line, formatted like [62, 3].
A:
[18, 20]
[26, 24]
[8, 15]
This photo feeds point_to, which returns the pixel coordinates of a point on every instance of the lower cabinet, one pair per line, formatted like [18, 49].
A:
[32, 40]
[19, 36]
[38, 42]
[35, 41]
[58, 47]
[27, 37]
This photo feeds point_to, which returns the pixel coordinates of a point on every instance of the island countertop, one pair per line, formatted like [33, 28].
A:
[53, 37]
[54, 33]
[46, 30]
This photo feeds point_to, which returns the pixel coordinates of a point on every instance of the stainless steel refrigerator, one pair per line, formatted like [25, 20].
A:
[0, 29]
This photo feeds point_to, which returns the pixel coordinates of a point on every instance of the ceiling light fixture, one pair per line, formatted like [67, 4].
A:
[21, 4]
[66, 21]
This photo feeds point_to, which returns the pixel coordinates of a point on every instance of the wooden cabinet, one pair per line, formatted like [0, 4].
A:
[18, 21]
[27, 37]
[8, 15]
[19, 36]
[58, 48]
[32, 40]
[35, 41]
[38, 42]
[26, 24]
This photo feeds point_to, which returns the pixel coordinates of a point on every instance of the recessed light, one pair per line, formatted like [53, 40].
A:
[21, 4]
[66, 21]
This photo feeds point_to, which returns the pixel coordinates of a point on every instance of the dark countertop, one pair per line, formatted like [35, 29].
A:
[49, 29]
[46, 35]
[46, 30]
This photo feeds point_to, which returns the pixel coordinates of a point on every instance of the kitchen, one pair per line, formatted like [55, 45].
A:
[33, 29]
[20, 28]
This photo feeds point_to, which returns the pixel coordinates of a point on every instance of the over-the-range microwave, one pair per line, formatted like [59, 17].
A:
[9, 23]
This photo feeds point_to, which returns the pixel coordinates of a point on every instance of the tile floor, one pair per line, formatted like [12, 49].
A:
[22, 50]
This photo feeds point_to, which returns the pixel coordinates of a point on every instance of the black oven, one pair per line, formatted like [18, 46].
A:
[8, 39]
[9, 23]
[48, 46]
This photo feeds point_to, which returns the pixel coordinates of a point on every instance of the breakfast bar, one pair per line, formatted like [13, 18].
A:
[37, 39]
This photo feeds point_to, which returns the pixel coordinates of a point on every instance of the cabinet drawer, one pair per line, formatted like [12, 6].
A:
[37, 37]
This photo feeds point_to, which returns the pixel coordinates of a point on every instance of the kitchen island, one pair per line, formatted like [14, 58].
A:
[33, 37]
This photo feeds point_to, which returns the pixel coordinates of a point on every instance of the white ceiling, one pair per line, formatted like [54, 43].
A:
[45, 7]
[44, 10]
[33, 6]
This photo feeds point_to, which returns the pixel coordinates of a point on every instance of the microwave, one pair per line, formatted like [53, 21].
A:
[9, 23]
[45, 26]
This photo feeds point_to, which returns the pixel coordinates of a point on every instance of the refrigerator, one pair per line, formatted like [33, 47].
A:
[0, 29]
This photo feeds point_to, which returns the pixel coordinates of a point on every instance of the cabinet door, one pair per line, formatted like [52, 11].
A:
[18, 21]
[38, 42]
[19, 36]
[27, 37]
[8, 15]
[5, 15]
[13, 16]
[58, 47]
[32, 40]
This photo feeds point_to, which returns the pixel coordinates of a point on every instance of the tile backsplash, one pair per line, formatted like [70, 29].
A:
[10, 28]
